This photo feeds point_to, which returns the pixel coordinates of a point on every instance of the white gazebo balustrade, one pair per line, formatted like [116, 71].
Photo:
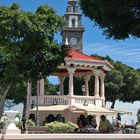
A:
[64, 100]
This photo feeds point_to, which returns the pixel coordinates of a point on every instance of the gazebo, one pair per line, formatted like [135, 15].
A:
[71, 106]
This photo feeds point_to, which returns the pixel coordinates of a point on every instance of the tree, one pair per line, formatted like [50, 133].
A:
[113, 84]
[122, 83]
[131, 88]
[28, 50]
[119, 19]
[52, 89]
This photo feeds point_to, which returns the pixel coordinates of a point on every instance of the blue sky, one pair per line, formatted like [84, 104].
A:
[127, 51]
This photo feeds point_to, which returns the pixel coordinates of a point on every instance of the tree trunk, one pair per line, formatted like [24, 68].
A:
[3, 100]
[113, 104]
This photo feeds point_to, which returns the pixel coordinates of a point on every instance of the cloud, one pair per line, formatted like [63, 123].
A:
[125, 52]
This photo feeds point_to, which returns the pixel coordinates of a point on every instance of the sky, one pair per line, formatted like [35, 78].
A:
[127, 51]
[94, 42]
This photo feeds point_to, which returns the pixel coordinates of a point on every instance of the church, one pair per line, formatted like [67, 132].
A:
[77, 64]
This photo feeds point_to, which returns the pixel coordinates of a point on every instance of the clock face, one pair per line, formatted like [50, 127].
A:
[73, 41]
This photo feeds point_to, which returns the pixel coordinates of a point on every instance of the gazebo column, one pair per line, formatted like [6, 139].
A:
[29, 92]
[96, 84]
[86, 79]
[61, 79]
[41, 92]
[42, 87]
[102, 87]
[71, 71]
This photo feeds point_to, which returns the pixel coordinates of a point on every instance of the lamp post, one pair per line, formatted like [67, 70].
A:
[37, 103]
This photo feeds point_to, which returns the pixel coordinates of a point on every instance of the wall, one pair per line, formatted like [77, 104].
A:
[70, 137]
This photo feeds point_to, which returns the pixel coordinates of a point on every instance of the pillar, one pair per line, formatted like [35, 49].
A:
[96, 84]
[61, 78]
[102, 87]
[71, 71]
[86, 79]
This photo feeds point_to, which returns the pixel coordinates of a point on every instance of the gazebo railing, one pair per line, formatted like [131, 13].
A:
[65, 100]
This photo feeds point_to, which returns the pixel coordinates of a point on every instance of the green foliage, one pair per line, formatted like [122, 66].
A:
[18, 124]
[18, 92]
[52, 89]
[2, 124]
[28, 49]
[59, 127]
[138, 126]
[122, 83]
[3, 121]
[119, 19]
[27, 46]
[30, 123]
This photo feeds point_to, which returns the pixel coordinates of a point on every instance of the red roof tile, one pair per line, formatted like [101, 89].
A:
[73, 54]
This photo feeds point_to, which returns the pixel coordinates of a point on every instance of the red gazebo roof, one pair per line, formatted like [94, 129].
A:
[73, 54]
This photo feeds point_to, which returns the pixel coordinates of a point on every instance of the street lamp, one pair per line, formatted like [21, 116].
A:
[37, 103]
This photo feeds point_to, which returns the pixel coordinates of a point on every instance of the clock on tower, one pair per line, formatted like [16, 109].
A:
[73, 41]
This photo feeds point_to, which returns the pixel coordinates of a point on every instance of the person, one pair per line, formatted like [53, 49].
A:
[81, 122]
[104, 126]
[118, 124]
[50, 118]
[118, 118]
[59, 118]
[24, 125]
[92, 121]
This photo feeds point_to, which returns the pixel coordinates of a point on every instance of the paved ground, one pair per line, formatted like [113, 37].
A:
[70, 137]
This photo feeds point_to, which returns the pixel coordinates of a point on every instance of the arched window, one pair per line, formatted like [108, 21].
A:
[73, 22]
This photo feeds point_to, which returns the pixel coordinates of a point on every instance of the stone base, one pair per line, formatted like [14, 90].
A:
[10, 131]
[138, 131]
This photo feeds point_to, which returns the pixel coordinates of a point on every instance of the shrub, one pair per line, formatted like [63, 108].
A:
[30, 123]
[2, 124]
[3, 121]
[18, 124]
[60, 127]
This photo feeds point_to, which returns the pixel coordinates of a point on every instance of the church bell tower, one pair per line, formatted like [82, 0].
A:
[72, 32]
